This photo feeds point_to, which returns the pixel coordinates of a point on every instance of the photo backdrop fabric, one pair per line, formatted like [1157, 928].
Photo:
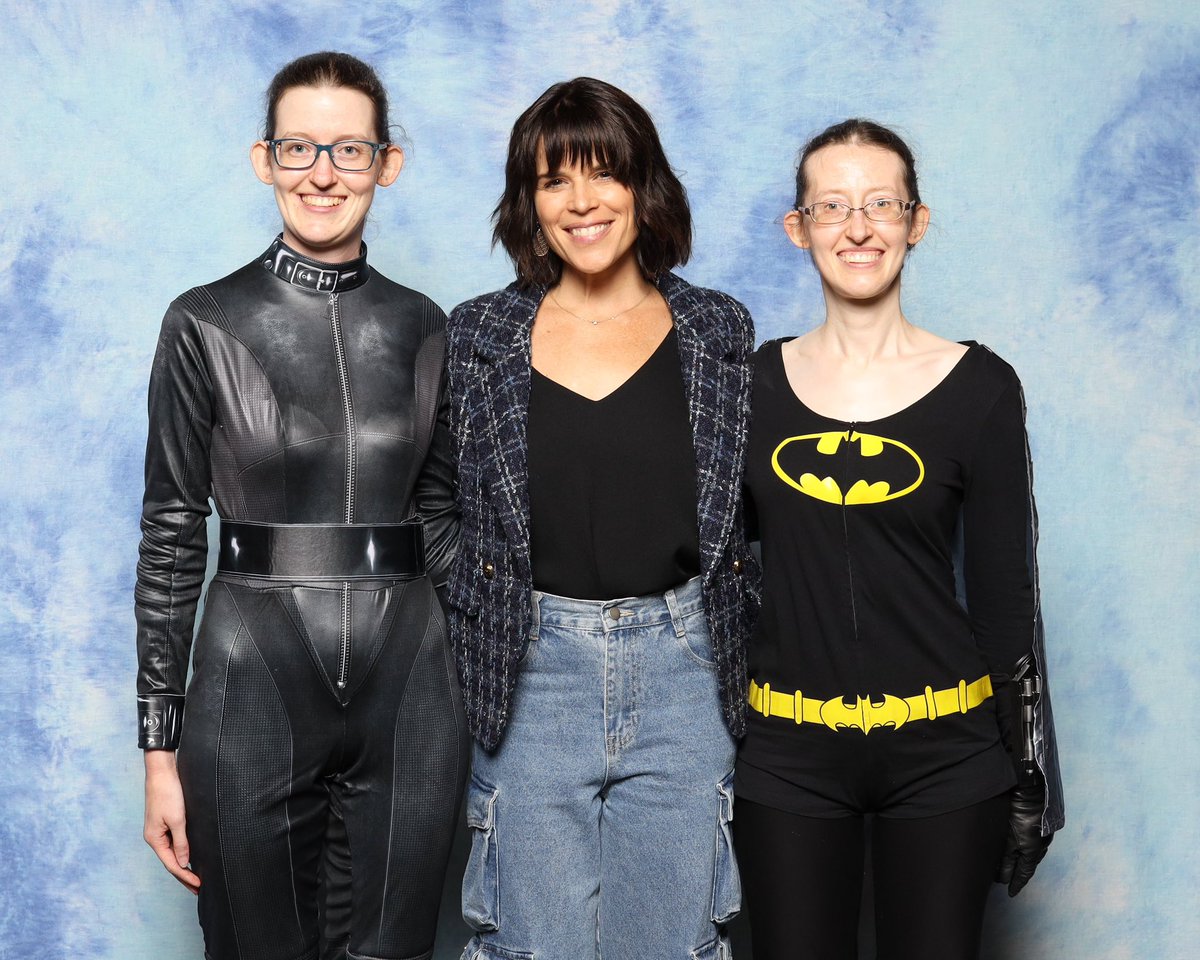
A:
[1059, 150]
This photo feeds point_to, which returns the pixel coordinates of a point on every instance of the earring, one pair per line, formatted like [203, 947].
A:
[540, 247]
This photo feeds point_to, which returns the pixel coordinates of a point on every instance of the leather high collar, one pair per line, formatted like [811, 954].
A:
[292, 267]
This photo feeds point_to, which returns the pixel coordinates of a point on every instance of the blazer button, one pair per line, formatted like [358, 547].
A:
[489, 570]
[737, 566]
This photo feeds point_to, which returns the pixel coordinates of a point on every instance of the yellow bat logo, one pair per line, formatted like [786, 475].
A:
[865, 714]
[888, 469]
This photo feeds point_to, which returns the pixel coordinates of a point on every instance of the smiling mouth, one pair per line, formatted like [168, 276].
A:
[316, 200]
[588, 232]
[859, 256]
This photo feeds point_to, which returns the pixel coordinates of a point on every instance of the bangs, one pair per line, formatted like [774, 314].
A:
[574, 134]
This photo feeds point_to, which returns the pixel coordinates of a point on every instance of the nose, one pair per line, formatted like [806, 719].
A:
[858, 227]
[583, 197]
[323, 172]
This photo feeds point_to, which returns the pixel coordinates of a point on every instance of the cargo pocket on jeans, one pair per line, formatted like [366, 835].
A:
[718, 949]
[486, 951]
[481, 880]
[727, 882]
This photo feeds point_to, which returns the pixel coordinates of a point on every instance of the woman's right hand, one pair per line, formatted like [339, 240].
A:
[165, 828]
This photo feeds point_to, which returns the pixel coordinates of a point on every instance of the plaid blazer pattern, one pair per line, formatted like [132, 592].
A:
[490, 587]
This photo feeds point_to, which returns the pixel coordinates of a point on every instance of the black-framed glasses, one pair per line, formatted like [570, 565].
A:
[884, 210]
[353, 156]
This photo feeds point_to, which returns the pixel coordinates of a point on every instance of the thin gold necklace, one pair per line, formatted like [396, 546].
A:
[602, 319]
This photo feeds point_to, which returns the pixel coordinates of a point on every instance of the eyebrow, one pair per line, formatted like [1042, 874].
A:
[369, 138]
[876, 189]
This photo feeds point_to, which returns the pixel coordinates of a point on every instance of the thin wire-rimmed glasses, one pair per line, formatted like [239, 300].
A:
[353, 156]
[884, 210]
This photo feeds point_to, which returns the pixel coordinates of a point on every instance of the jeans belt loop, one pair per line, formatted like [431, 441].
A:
[676, 615]
[535, 614]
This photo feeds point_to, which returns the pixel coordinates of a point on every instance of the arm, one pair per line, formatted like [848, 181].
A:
[174, 546]
[1000, 574]
[170, 573]
[434, 494]
[997, 538]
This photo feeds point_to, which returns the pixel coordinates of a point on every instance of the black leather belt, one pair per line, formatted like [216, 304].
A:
[315, 551]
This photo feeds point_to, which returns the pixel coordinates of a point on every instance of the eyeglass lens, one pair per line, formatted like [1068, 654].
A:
[349, 155]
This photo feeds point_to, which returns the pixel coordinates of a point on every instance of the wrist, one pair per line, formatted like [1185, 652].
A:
[159, 761]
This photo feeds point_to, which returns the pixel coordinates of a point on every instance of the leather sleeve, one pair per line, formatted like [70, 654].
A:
[174, 546]
[434, 493]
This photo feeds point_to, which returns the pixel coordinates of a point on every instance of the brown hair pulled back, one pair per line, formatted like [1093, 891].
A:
[859, 131]
[329, 69]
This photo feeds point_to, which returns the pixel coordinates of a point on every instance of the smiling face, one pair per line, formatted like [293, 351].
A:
[859, 259]
[587, 216]
[324, 208]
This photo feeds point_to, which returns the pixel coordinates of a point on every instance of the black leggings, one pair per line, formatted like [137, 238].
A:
[320, 815]
[803, 879]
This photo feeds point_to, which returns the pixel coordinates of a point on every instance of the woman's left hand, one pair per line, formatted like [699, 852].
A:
[1025, 846]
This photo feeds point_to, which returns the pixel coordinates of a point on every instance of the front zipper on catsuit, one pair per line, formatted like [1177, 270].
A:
[845, 479]
[339, 349]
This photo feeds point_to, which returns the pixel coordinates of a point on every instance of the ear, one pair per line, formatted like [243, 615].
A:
[391, 165]
[794, 226]
[260, 159]
[920, 223]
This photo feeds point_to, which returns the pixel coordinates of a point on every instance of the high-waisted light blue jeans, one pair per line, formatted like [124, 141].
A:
[601, 823]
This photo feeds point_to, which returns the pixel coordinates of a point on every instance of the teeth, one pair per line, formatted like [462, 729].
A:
[314, 201]
[588, 231]
[865, 256]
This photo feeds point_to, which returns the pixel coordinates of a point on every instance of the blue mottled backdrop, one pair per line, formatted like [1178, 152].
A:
[1060, 149]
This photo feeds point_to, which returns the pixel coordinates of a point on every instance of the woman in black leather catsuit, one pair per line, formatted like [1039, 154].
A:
[322, 750]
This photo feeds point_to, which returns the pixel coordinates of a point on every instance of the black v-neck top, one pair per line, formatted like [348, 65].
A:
[612, 485]
[896, 557]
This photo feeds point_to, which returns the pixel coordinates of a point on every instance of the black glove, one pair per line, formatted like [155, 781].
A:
[1016, 695]
[1025, 845]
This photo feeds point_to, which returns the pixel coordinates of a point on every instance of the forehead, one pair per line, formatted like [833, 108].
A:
[326, 112]
[569, 153]
[854, 167]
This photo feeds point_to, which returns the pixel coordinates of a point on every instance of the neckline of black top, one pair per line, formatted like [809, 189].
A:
[954, 372]
[301, 271]
[662, 345]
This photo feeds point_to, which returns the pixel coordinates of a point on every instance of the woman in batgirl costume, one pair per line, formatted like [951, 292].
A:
[305, 781]
[897, 668]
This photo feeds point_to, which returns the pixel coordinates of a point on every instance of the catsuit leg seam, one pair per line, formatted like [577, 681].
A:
[387, 867]
[291, 773]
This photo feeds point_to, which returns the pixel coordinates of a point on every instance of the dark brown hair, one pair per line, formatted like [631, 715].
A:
[329, 69]
[869, 134]
[591, 122]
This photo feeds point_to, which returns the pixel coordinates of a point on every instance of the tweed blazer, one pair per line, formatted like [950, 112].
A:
[490, 588]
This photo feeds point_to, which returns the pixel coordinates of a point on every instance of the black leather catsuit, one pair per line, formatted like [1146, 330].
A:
[322, 751]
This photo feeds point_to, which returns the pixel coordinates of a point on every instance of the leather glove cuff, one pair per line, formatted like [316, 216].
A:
[160, 721]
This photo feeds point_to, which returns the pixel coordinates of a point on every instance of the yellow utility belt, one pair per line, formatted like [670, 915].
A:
[870, 712]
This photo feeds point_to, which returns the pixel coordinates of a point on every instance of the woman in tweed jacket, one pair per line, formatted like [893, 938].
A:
[603, 588]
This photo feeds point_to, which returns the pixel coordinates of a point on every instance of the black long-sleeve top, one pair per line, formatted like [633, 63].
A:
[291, 391]
[863, 593]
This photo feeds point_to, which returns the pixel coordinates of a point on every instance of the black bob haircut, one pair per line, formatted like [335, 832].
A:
[591, 122]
